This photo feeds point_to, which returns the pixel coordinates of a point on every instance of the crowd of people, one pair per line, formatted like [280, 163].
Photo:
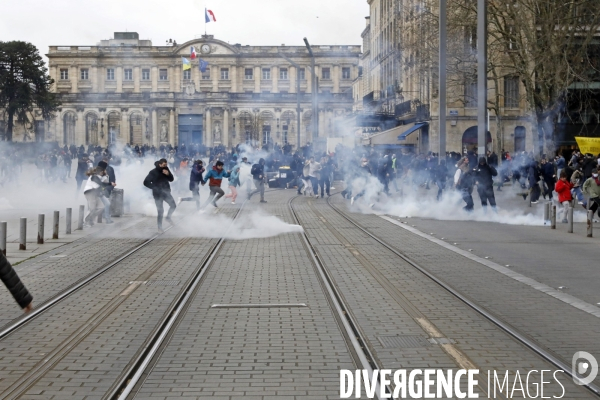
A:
[188, 168]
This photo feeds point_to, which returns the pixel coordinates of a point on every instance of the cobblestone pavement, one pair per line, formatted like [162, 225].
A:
[79, 348]
[556, 325]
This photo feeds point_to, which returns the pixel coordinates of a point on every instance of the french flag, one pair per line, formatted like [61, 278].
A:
[209, 15]
[192, 52]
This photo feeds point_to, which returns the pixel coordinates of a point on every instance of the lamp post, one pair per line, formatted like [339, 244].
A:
[481, 76]
[315, 88]
[297, 98]
[442, 64]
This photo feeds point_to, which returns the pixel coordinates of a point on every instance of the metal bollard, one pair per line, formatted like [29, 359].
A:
[81, 214]
[3, 237]
[55, 225]
[546, 212]
[553, 217]
[23, 235]
[69, 217]
[570, 219]
[40, 239]
[590, 223]
[100, 218]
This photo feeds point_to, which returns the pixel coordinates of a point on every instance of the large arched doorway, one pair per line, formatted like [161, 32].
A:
[136, 134]
[469, 140]
[520, 135]
[69, 119]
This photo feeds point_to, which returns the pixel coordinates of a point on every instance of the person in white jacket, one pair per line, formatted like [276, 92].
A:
[315, 175]
[94, 188]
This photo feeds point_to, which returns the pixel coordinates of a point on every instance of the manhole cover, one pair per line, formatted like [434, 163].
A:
[403, 342]
[162, 283]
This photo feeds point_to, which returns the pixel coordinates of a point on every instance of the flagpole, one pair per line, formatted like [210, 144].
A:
[205, 19]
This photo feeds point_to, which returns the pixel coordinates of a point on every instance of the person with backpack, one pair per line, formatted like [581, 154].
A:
[258, 175]
[214, 177]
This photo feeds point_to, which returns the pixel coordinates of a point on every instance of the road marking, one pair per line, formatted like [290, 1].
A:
[258, 305]
[566, 298]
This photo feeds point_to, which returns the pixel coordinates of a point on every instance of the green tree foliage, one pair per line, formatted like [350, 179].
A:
[24, 85]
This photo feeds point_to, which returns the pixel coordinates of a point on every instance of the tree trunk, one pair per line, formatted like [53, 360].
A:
[9, 127]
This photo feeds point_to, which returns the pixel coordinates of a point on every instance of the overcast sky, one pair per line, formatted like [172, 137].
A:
[253, 22]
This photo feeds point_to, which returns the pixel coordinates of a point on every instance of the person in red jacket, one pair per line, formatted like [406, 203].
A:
[563, 188]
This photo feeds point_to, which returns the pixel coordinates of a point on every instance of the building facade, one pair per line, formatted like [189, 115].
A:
[125, 90]
[398, 88]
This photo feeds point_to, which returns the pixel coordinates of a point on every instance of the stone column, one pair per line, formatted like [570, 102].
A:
[74, 78]
[233, 71]
[172, 127]
[155, 139]
[293, 77]
[94, 78]
[196, 78]
[214, 73]
[124, 129]
[80, 128]
[53, 75]
[101, 79]
[136, 79]
[177, 77]
[172, 78]
[275, 79]
[154, 76]
[119, 77]
[226, 127]
[208, 134]
[257, 78]
[336, 78]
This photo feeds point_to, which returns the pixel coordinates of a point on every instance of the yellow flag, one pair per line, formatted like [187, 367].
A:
[186, 63]
[588, 145]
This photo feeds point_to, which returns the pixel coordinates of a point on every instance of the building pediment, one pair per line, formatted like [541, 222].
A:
[206, 46]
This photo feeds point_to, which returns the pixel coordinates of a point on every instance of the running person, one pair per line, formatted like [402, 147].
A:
[195, 181]
[158, 180]
[214, 177]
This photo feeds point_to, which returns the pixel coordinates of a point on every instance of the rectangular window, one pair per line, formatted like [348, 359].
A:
[187, 75]
[145, 74]
[64, 73]
[283, 74]
[326, 73]
[511, 92]
[512, 40]
[345, 73]
[471, 91]
[302, 73]
[128, 74]
[224, 74]
[206, 75]
[110, 74]
[248, 73]
[266, 74]
[85, 74]
[163, 74]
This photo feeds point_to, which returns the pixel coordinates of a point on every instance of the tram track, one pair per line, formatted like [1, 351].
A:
[514, 333]
[362, 353]
[30, 378]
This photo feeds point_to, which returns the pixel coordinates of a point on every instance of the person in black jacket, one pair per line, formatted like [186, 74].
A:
[485, 182]
[465, 186]
[9, 277]
[196, 180]
[82, 168]
[158, 180]
[258, 175]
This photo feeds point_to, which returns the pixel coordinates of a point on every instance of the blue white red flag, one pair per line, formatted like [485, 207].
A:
[209, 16]
[192, 52]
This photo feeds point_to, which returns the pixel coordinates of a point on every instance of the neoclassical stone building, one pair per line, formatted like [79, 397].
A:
[126, 90]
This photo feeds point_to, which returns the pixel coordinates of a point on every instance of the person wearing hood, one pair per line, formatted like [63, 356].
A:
[82, 168]
[258, 175]
[484, 176]
[533, 177]
[196, 180]
[591, 187]
[214, 177]
[158, 181]
[563, 188]
[234, 182]
[95, 188]
[465, 183]
[577, 181]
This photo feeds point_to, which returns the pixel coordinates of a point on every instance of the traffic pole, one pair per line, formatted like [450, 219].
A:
[23, 234]
[3, 234]
[55, 225]
[590, 223]
[69, 217]
[570, 217]
[553, 218]
[80, 219]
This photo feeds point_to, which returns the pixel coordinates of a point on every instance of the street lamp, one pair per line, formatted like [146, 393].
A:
[481, 76]
[315, 88]
[442, 94]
